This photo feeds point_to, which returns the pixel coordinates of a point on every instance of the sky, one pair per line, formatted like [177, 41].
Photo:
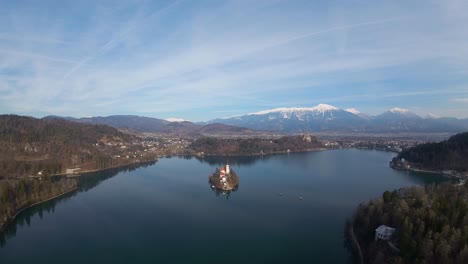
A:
[200, 60]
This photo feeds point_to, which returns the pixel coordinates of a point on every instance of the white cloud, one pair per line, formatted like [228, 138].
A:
[184, 56]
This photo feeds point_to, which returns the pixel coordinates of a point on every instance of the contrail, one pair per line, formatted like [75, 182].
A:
[337, 28]
[112, 42]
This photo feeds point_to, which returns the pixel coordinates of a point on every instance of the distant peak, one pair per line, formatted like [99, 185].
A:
[432, 116]
[276, 110]
[325, 107]
[399, 110]
[318, 108]
[172, 119]
[353, 111]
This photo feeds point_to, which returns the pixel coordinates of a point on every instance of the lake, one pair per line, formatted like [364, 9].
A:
[288, 208]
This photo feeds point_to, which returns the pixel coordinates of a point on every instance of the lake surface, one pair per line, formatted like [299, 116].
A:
[168, 213]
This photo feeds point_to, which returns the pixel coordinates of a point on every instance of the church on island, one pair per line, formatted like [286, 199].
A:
[224, 179]
[224, 171]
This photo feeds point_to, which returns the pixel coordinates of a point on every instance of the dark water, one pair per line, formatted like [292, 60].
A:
[167, 212]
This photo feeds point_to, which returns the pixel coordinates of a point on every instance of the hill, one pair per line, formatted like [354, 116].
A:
[190, 129]
[154, 125]
[451, 154]
[140, 123]
[51, 146]
[254, 146]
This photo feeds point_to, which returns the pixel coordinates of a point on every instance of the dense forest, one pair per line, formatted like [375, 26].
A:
[431, 225]
[451, 154]
[254, 146]
[18, 194]
[50, 146]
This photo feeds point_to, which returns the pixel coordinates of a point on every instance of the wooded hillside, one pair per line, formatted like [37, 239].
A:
[254, 146]
[431, 225]
[29, 146]
[450, 154]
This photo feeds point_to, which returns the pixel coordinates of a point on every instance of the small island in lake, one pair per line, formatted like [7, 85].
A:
[224, 179]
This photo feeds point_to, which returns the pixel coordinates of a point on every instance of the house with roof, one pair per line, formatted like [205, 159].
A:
[384, 232]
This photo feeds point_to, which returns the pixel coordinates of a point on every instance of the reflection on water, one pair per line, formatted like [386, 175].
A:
[288, 205]
[85, 182]
[224, 193]
[233, 160]
[25, 216]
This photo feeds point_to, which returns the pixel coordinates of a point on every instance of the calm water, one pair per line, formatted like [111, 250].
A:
[167, 212]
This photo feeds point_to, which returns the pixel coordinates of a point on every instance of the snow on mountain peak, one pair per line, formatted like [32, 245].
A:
[432, 116]
[397, 110]
[175, 119]
[353, 111]
[321, 108]
[324, 108]
[277, 110]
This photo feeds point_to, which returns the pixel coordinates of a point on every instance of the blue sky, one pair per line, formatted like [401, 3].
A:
[199, 60]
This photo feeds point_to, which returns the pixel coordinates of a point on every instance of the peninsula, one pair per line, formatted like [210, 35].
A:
[426, 225]
[418, 224]
[449, 157]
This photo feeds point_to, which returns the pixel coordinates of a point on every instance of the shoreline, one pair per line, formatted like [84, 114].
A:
[78, 174]
[257, 154]
[12, 219]
[436, 172]
[355, 242]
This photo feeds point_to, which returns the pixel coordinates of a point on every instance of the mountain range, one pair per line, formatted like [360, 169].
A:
[320, 118]
[324, 117]
[156, 125]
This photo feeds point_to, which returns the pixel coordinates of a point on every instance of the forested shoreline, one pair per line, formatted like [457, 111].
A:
[15, 195]
[32, 147]
[451, 154]
[431, 225]
[33, 151]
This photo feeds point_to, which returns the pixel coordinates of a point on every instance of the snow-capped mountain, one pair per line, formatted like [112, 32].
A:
[319, 110]
[357, 112]
[398, 113]
[324, 117]
[353, 111]
[398, 119]
[294, 119]
[173, 119]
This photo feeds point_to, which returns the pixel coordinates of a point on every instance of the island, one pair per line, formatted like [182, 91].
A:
[224, 180]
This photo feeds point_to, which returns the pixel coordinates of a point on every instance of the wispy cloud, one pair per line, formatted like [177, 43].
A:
[199, 59]
[460, 100]
[120, 36]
